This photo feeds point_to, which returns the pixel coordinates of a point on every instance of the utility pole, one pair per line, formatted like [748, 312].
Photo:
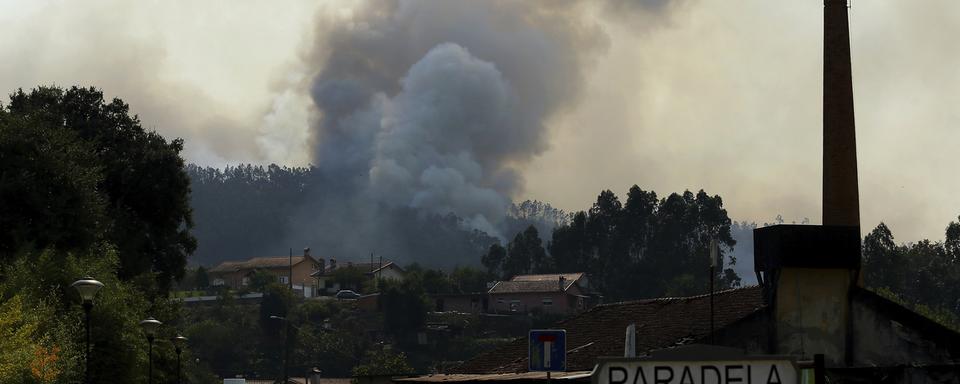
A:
[713, 266]
[286, 322]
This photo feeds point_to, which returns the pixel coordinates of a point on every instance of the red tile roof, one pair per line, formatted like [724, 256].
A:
[548, 277]
[661, 323]
[530, 286]
[257, 262]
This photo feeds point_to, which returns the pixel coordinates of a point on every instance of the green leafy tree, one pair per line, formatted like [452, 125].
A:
[143, 183]
[48, 193]
[404, 308]
[469, 279]
[202, 278]
[276, 302]
[494, 258]
[925, 273]
[260, 280]
[569, 247]
[383, 363]
[883, 259]
[42, 279]
[648, 246]
[349, 277]
[525, 254]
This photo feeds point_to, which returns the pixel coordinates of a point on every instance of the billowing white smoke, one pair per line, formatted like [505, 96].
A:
[452, 107]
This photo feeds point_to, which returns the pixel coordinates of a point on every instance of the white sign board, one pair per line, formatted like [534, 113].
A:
[634, 371]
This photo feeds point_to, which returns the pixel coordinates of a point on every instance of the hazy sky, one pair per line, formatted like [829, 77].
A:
[722, 95]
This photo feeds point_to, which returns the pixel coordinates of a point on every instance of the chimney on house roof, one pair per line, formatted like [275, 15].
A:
[841, 205]
[333, 263]
[563, 282]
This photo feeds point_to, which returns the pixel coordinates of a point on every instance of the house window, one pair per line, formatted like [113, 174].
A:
[217, 282]
[245, 281]
[514, 305]
[500, 301]
[547, 301]
[284, 279]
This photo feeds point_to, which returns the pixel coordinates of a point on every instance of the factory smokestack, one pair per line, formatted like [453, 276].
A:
[841, 204]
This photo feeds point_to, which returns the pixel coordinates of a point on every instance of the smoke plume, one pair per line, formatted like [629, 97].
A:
[435, 107]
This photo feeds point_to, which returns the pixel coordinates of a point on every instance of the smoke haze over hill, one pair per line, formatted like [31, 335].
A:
[670, 95]
[436, 107]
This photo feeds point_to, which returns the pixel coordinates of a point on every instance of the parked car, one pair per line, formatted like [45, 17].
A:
[347, 294]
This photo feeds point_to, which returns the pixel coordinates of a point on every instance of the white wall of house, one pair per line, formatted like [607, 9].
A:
[390, 273]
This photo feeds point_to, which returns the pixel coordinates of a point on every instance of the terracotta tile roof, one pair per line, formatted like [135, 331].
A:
[548, 277]
[511, 286]
[257, 262]
[661, 323]
[227, 266]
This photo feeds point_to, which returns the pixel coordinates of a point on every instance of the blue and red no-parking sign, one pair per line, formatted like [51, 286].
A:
[548, 350]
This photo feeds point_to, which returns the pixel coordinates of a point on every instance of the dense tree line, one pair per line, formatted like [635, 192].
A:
[244, 211]
[647, 247]
[250, 210]
[924, 274]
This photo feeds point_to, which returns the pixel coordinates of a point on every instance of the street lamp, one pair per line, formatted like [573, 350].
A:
[87, 287]
[286, 350]
[150, 326]
[178, 342]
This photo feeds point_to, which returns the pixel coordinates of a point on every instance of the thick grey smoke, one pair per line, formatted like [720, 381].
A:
[437, 107]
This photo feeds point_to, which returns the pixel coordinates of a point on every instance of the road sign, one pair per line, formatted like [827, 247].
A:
[548, 350]
[696, 365]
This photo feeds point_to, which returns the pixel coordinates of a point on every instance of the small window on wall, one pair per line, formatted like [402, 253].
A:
[284, 279]
[245, 281]
[547, 301]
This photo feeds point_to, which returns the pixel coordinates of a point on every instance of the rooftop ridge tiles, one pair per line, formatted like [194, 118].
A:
[676, 298]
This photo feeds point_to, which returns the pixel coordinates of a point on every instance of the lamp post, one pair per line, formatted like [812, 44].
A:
[286, 350]
[178, 342]
[87, 287]
[150, 326]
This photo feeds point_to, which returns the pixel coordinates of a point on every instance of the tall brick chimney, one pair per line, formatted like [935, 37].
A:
[808, 271]
[841, 204]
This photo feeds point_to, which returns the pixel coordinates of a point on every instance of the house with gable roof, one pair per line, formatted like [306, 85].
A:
[556, 293]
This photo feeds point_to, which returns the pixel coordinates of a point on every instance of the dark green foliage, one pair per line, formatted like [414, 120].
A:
[383, 363]
[404, 307]
[119, 348]
[249, 211]
[48, 192]
[349, 277]
[469, 280]
[201, 278]
[243, 210]
[260, 279]
[926, 273]
[647, 247]
[276, 302]
[494, 258]
[139, 178]
[525, 253]
[226, 337]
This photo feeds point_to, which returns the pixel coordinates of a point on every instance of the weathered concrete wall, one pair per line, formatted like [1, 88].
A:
[811, 313]
[880, 340]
